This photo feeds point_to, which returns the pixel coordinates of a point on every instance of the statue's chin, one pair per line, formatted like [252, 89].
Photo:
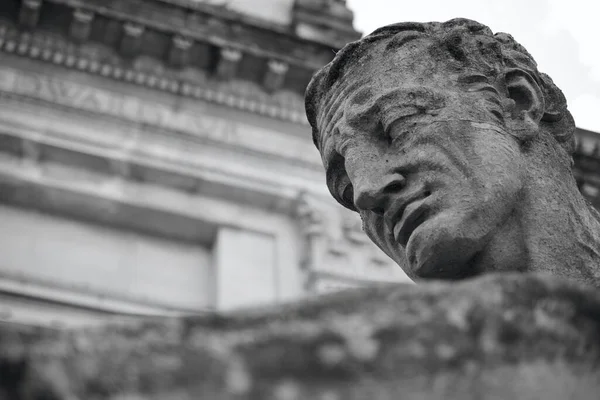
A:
[435, 251]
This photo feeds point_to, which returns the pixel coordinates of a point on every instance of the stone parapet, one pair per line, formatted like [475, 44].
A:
[501, 336]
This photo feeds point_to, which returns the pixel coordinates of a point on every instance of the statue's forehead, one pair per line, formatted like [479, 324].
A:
[378, 71]
[374, 91]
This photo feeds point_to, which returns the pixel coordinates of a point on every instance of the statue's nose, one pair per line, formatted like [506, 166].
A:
[373, 194]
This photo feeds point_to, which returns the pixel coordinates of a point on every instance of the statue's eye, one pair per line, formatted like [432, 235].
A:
[401, 122]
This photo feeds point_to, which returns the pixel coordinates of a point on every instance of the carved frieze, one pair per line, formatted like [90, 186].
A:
[190, 121]
[336, 252]
[213, 24]
[153, 74]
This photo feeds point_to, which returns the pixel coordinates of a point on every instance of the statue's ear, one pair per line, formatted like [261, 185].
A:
[526, 103]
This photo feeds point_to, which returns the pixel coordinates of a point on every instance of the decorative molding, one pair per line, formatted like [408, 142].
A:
[141, 174]
[85, 297]
[136, 206]
[311, 223]
[81, 25]
[192, 122]
[21, 44]
[324, 21]
[229, 60]
[587, 165]
[217, 26]
[29, 14]
[131, 39]
[336, 249]
[179, 51]
[275, 75]
[31, 151]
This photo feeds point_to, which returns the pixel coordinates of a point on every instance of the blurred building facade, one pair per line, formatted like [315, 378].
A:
[155, 158]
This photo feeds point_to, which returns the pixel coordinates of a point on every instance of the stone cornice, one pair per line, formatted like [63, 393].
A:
[324, 21]
[183, 43]
[230, 15]
[22, 44]
[82, 296]
[227, 28]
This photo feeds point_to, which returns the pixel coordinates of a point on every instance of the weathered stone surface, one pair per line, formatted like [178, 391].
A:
[456, 151]
[509, 336]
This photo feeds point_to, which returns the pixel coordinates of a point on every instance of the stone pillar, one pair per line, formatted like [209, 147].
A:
[245, 269]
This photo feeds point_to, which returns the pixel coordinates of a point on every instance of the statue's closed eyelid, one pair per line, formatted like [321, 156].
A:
[400, 117]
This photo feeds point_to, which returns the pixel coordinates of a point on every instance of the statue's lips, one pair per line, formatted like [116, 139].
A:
[414, 215]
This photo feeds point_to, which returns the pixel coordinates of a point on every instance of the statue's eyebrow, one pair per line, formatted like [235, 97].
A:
[394, 99]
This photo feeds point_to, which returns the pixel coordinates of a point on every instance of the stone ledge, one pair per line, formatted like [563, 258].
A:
[500, 336]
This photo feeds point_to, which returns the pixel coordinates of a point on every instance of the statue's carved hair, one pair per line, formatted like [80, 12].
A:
[495, 54]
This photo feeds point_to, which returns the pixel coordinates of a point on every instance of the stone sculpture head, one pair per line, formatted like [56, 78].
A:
[456, 152]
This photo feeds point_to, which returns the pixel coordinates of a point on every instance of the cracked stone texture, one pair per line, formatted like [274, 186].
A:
[499, 336]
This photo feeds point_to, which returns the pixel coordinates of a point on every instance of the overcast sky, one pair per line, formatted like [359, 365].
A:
[563, 37]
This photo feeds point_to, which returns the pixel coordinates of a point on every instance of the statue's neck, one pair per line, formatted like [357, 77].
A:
[559, 229]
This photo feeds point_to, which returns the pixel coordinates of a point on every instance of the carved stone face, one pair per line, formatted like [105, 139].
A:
[420, 148]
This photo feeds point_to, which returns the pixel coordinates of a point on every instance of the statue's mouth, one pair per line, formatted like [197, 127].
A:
[414, 215]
